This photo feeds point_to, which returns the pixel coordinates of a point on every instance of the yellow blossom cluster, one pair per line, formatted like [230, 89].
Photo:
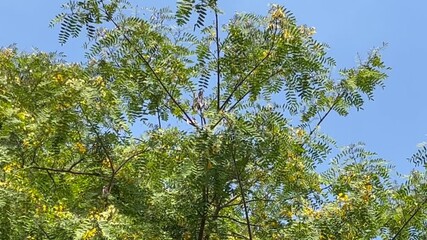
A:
[278, 13]
[342, 197]
[8, 168]
[59, 78]
[89, 234]
[99, 81]
[81, 148]
[59, 211]
[94, 215]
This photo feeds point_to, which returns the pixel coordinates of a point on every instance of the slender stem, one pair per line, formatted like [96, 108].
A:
[229, 202]
[147, 64]
[66, 171]
[128, 160]
[43, 231]
[327, 112]
[249, 90]
[75, 164]
[51, 177]
[409, 219]
[242, 193]
[204, 215]
[246, 94]
[105, 150]
[159, 118]
[205, 202]
[247, 201]
[218, 80]
[237, 86]
[233, 219]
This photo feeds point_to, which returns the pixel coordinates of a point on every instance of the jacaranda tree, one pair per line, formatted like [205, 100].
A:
[179, 127]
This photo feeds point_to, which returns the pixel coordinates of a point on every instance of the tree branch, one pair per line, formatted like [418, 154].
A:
[242, 193]
[128, 160]
[104, 149]
[247, 201]
[249, 90]
[235, 220]
[159, 118]
[203, 215]
[147, 64]
[327, 112]
[410, 218]
[237, 86]
[75, 164]
[66, 171]
[218, 80]
[246, 94]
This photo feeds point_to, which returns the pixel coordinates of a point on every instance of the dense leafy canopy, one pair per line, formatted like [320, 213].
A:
[229, 144]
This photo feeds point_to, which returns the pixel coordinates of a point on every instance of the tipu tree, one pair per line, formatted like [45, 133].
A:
[229, 144]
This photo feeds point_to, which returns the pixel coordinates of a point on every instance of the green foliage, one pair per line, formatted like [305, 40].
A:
[185, 8]
[230, 145]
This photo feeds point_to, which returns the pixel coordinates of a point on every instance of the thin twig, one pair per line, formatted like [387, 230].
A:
[43, 231]
[247, 201]
[75, 164]
[105, 150]
[66, 171]
[246, 94]
[51, 177]
[237, 86]
[159, 118]
[235, 220]
[226, 204]
[409, 219]
[218, 80]
[128, 159]
[327, 112]
[147, 64]
[203, 215]
[242, 193]
[249, 90]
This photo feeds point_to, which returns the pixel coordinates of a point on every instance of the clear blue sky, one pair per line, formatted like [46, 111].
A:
[392, 125]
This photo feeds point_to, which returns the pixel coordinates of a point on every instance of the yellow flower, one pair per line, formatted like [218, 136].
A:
[368, 187]
[59, 207]
[308, 211]
[286, 213]
[22, 115]
[25, 143]
[99, 81]
[300, 132]
[342, 197]
[209, 165]
[187, 235]
[278, 13]
[106, 163]
[8, 168]
[94, 215]
[264, 54]
[365, 198]
[81, 148]
[89, 234]
[59, 78]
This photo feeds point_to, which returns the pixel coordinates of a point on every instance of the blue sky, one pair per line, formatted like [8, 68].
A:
[392, 125]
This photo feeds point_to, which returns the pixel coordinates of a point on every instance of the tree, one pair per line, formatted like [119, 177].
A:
[230, 143]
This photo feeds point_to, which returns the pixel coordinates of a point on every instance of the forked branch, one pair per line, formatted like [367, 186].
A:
[151, 69]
